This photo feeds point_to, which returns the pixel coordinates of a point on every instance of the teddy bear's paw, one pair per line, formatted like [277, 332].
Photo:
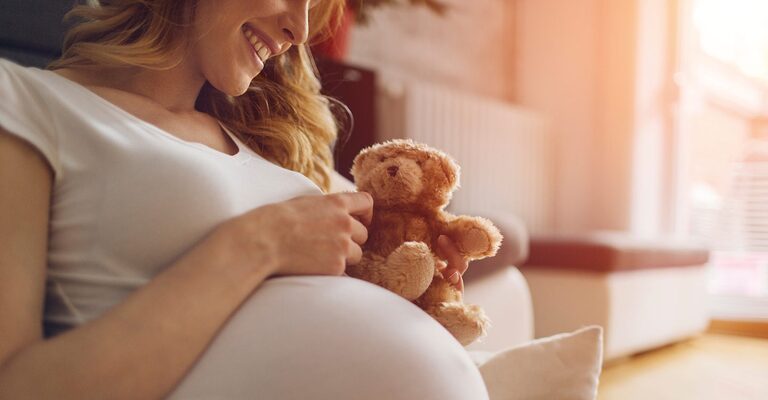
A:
[466, 323]
[475, 241]
[480, 241]
[412, 268]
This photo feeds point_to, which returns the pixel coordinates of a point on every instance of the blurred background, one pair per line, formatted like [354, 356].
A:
[653, 112]
[645, 120]
[629, 137]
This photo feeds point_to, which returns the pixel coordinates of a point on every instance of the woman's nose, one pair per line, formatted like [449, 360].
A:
[295, 25]
[289, 34]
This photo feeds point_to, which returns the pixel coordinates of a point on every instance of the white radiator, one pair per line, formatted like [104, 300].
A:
[505, 152]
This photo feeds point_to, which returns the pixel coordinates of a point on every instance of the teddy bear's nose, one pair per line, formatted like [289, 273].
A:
[392, 170]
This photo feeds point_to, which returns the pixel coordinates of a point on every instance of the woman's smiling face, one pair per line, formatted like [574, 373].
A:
[234, 38]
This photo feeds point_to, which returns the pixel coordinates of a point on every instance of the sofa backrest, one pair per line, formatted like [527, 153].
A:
[32, 31]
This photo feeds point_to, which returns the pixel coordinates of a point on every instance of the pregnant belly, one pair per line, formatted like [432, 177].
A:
[320, 337]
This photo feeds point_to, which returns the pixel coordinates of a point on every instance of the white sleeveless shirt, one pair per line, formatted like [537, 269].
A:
[128, 197]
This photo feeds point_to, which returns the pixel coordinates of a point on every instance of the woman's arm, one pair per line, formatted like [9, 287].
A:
[141, 348]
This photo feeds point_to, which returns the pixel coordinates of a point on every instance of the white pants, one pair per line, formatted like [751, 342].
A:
[323, 338]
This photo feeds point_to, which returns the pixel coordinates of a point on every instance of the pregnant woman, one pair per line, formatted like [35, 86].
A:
[168, 227]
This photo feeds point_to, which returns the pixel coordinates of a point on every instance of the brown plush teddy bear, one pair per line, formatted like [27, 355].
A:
[411, 183]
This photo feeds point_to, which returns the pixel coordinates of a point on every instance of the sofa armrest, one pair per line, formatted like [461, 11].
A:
[514, 246]
[504, 295]
[497, 286]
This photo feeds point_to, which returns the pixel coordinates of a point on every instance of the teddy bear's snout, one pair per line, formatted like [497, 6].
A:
[392, 170]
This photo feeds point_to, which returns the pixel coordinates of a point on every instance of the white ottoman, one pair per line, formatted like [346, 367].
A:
[643, 293]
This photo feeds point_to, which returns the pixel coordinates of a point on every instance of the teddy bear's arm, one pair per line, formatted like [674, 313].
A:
[475, 237]
[417, 229]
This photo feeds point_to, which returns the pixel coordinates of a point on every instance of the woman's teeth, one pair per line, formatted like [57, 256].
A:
[261, 49]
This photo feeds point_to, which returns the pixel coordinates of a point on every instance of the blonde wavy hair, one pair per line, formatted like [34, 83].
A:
[282, 116]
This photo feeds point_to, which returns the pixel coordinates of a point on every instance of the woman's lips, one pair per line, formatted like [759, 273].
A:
[253, 54]
[273, 47]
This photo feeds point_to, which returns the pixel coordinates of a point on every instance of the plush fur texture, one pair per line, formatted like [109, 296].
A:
[411, 184]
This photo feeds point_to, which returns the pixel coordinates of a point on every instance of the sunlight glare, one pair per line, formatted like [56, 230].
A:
[736, 32]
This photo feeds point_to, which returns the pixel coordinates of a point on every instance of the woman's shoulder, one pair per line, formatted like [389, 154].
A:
[22, 85]
[20, 82]
[13, 70]
[9, 65]
[25, 110]
[18, 77]
[28, 90]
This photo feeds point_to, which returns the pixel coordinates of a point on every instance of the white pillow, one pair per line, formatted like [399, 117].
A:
[564, 367]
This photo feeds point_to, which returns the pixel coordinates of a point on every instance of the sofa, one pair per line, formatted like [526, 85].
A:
[644, 292]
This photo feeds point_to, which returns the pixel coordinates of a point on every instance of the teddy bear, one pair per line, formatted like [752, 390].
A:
[410, 184]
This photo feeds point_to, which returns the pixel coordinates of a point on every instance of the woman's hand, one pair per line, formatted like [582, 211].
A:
[307, 235]
[456, 266]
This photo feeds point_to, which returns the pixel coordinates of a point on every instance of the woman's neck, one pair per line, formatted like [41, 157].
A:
[175, 90]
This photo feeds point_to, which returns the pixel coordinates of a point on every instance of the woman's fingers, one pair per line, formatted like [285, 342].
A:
[358, 236]
[451, 275]
[358, 204]
[457, 265]
[354, 253]
[454, 277]
[452, 255]
[359, 232]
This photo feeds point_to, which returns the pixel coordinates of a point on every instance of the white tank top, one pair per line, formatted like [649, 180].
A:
[128, 197]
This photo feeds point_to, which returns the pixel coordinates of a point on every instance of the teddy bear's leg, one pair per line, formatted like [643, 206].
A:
[407, 271]
[475, 237]
[444, 303]
[465, 322]
[410, 269]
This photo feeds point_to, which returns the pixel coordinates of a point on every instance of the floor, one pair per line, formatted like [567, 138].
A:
[711, 366]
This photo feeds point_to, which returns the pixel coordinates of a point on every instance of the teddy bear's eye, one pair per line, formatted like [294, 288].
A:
[382, 158]
[419, 162]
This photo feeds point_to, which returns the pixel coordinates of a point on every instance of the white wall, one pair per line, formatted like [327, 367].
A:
[574, 60]
[556, 72]
[470, 48]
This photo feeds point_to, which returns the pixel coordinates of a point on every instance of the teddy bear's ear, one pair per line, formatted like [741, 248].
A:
[359, 160]
[451, 170]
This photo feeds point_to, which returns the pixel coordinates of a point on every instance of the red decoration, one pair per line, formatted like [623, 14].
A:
[335, 47]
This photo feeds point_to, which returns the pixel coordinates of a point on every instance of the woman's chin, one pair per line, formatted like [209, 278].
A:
[238, 87]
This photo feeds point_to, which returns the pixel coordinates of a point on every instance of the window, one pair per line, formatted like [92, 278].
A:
[723, 118]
